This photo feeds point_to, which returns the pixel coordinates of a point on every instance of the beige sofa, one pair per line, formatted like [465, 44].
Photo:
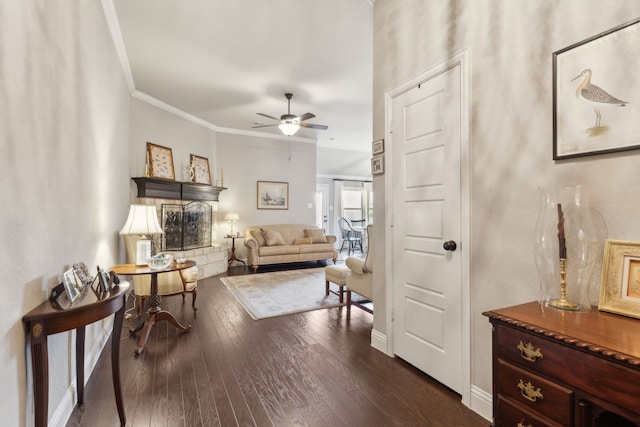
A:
[282, 243]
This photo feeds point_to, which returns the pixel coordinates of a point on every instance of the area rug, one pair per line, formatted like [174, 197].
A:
[273, 294]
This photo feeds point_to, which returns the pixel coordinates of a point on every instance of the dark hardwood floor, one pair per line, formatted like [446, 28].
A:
[308, 369]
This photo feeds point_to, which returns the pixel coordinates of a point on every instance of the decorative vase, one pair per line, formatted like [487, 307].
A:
[565, 248]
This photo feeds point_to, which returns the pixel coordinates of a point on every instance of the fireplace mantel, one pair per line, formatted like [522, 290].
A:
[158, 188]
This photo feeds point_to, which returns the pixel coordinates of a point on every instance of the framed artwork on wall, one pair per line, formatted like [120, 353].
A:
[620, 286]
[596, 98]
[201, 171]
[273, 195]
[377, 164]
[160, 160]
[377, 147]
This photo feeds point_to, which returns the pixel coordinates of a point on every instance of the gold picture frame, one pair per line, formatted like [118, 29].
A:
[620, 286]
[273, 195]
[201, 171]
[160, 161]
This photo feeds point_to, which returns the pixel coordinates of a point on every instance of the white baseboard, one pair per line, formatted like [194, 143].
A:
[481, 402]
[379, 341]
[61, 415]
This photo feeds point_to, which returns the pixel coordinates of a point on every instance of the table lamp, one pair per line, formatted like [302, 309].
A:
[142, 220]
[231, 218]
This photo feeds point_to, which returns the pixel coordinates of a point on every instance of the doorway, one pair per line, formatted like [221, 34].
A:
[426, 187]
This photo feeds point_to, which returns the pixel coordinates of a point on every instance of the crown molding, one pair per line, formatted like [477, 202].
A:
[116, 35]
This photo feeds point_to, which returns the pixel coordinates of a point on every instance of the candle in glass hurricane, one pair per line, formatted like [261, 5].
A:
[561, 239]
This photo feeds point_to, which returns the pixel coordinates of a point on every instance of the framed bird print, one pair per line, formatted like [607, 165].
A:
[596, 94]
[201, 171]
[160, 160]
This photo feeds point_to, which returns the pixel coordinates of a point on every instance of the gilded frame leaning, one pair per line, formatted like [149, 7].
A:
[620, 286]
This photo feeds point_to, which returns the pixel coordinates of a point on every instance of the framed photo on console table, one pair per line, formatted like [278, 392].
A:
[273, 195]
[72, 284]
[620, 287]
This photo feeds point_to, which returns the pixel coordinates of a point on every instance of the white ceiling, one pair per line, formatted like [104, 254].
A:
[223, 61]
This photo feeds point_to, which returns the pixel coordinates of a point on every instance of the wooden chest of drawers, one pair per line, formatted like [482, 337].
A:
[558, 368]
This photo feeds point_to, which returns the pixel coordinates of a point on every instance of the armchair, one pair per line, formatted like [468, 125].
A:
[360, 277]
[171, 283]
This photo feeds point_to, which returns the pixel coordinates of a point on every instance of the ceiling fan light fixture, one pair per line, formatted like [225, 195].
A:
[289, 129]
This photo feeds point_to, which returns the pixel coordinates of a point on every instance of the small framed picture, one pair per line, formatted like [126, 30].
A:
[377, 164]
[273, 195]
[160, 161]
[620, 286]
[72, 284]
[82, 273]
[201, 171]
[377, 147]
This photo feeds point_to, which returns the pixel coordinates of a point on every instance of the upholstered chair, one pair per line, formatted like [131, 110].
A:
[360, 277]
[171, 283]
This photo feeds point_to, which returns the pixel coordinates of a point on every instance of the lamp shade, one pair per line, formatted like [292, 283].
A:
[231, 216]
[289, 128]
[142, 219]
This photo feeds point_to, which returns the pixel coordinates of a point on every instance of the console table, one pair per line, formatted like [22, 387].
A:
[52, 317]
[558, 368]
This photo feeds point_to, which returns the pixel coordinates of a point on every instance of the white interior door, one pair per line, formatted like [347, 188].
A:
[426, 198]
[322, 208]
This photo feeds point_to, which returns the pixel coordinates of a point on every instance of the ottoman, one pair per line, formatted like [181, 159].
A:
[336, 274]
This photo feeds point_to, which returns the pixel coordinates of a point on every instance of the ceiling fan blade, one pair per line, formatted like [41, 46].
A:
[262, 125]
[309, 125]
[306, 116]
[268, 116]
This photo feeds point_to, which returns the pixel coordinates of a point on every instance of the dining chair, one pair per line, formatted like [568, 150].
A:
[351, 237]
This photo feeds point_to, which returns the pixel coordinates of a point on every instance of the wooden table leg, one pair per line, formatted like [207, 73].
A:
[115, 363]
[154, 314]
[40, 368]
[80, 334]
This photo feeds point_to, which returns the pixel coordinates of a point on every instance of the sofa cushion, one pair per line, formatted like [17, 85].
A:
[279, 250]
[302, 241]
[257, 234]
[316, 248]
[272, 237]
[316, 235]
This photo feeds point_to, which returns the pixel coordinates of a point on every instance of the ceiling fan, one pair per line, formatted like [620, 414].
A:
[289, 123]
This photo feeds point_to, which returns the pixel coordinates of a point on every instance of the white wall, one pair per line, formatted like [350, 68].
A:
[245, 161]
[511, 45]
[344, 163]
[64, 159]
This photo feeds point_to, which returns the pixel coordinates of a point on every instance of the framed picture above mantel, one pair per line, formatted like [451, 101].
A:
[160, 161]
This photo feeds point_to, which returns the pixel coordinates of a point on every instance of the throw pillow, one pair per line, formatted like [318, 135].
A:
[259, 237]
[302, 241]
[316, 235]
[272, 237]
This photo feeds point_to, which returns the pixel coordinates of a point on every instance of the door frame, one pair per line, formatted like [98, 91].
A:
[460, 59]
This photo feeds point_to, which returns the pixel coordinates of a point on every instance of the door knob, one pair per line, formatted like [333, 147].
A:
[449, 246]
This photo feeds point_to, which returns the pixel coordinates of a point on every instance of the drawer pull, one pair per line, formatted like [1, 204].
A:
[522, 425]
[528, 352]
[529, 392]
